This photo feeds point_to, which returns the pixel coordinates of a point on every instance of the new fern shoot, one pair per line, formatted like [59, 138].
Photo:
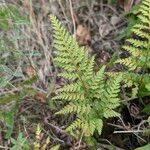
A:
[91, 95]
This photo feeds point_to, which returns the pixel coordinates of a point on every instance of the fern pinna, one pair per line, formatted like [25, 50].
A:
[138, 63]
[89, 95]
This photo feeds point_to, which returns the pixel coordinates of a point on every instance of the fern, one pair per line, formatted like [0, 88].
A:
[38, 144]
[139, 47]
[89, 94]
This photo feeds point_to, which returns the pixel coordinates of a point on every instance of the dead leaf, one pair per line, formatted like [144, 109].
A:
[40, 97]
[83, 36]
[30, 71]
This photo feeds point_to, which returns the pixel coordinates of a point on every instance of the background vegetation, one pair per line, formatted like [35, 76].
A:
[45, 73]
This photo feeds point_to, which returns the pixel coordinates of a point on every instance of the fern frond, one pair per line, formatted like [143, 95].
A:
[138, 43]
[78, 123]
[98, 83]
[146, 3]
[110, 113]
[139, 50]
[86, 94]
[88, 74]
[99, 125]
[64, 43]
[112, 90]
[139, 46]
[143, 19]
[71, 108]
[98, 79]
[132, 80]
[87, 127]
[91, 127]
[140, 33]
[70, 96]
[68, 75]
[141, 26]
[132, 50]
[128, 62]
[73, 87]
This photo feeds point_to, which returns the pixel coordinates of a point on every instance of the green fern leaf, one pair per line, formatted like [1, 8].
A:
[88, 93]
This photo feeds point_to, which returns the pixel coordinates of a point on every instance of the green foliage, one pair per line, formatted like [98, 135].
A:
[139, 46]
[146, 131]
[37, 144]
[147, 109]
[131, 16]
[10, 23]
[146, 147]
[8, 75]
[20, 143]
[8, 107]
[9, 15]
[139, 49]
[8, 118]
[11, 64]
[111, 2]
[89, 94]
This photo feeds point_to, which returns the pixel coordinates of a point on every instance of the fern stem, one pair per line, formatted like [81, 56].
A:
[78, 71]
